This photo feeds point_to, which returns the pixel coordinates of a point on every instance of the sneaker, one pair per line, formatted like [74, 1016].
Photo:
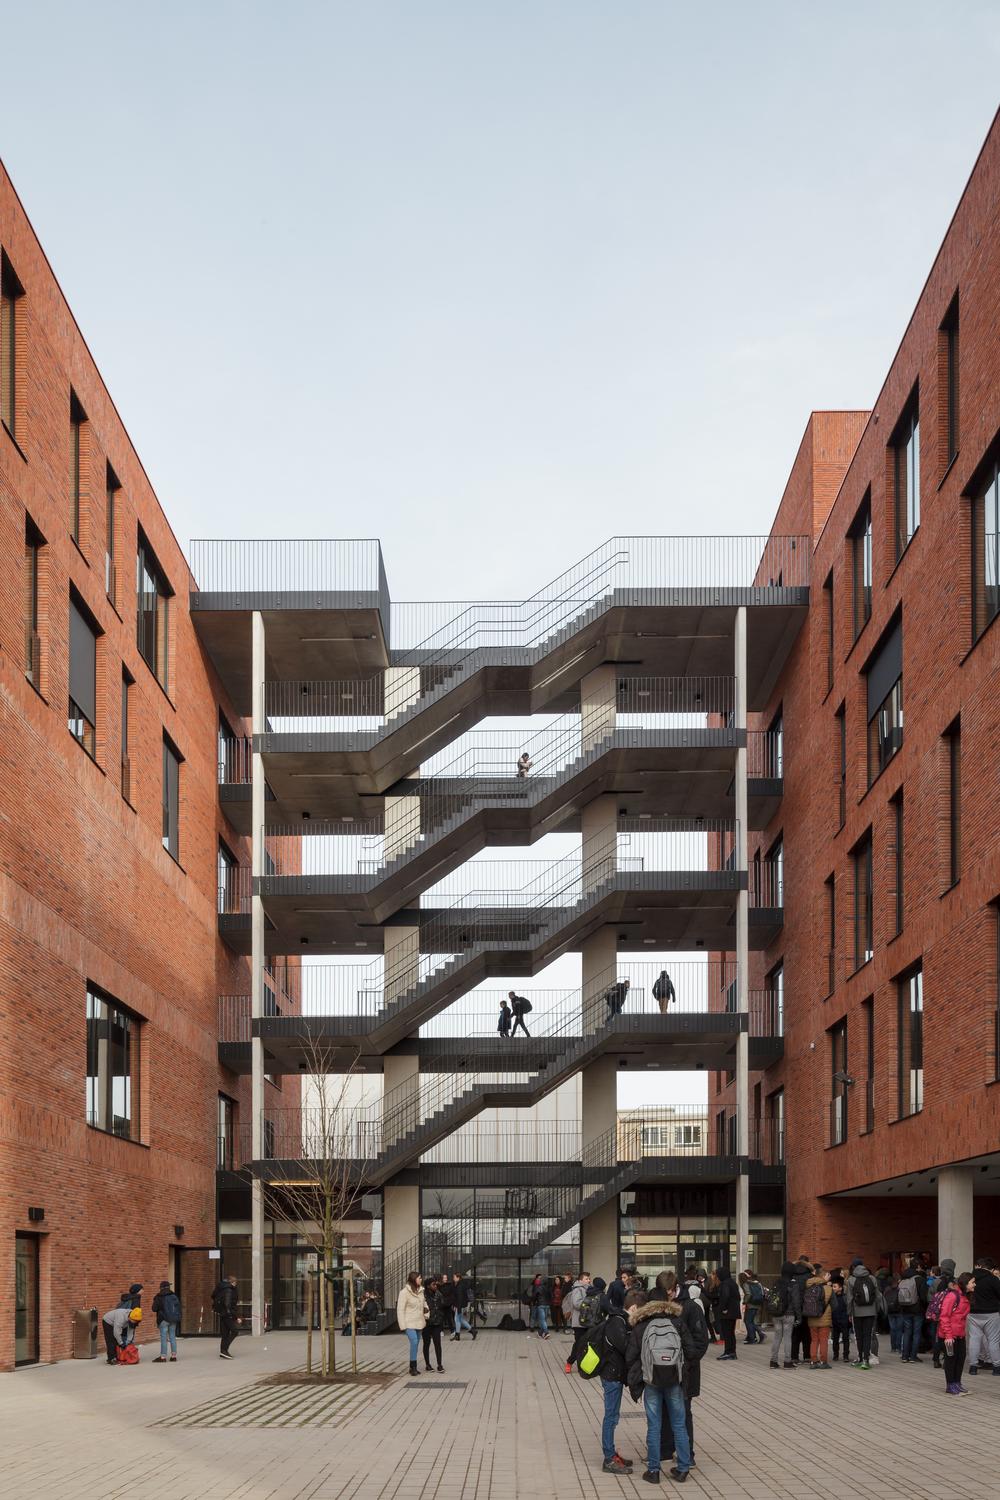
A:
[774, 1365]
[874, 1360]
[951, 1390]
[962, 1391]
[864, 1365]
[973, 1370]
[651, 1476]
[615, 1466]
[227, 1356]
[159, 1360]
[173, 1359]
[543, 1335]
[915, 1359]
[789, 1366]
[440, 1369]
[679, 1474]
[475, 1331]
[567, 1368]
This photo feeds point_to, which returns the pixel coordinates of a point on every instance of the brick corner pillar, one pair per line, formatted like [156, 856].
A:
[257, 803]
[742, 953]
[599, 1230]
[955, 1216]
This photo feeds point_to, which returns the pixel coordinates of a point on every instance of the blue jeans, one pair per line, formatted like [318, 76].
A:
[895, 1332]
[910, 1344]
[543, 1317]
[655, 1398]
[750, 1319]
[612, 1408]
[413, 1335]
[461, 1321]
[168, 1331]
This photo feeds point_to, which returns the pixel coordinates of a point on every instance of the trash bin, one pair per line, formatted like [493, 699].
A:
[85, 1333]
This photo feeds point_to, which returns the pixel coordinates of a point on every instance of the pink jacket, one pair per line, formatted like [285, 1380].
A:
[954, 1311]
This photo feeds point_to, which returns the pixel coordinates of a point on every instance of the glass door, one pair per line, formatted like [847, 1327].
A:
[197, 1277]
[292, 1267]
[26, 1299]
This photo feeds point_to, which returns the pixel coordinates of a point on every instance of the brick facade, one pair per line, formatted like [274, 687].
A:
[88, 892]
[951, 929]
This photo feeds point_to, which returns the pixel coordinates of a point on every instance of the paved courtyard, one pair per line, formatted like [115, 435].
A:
[503, 1423]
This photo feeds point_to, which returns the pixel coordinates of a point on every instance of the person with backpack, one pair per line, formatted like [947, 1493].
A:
[911, 1303]
[816, 1299]
[785, 1304]
[728, 1311]
[663, 992]
[862, 1305]
[520, 1006]
[839, 1320]
[119, 1330]
[616, 996]
[694, 1319]
[225, 1304]
[659, 1347]
[609, 1340]
[463, 1296]
[945, 1275]
[167, 1307]
[753, 1301]
[952, 1324]
[585, 1307]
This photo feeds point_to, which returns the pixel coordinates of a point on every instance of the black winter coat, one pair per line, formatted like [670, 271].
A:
[729, 1305]
[616, 1333]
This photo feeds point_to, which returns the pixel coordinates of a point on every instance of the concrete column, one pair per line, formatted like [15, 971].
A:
[400, 1224]
[401, 1081]
[598, 705]
[402, 959]
[599, 1114]
[600, 847]
[257, 976]
[402, 824]
[742, 953]
[600, 955]
[955, 1211]
[402, 688]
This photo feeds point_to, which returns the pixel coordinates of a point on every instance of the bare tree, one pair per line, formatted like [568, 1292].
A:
[319, 1155]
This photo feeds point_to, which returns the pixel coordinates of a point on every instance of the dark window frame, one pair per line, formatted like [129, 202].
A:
[985, 548]
[153, 595]
[949, 347]
[81, 694]
[171, 800]
[838, 1089]
[910, 1042]
[11, 293]
[77, 422]
[830, 630]
[111, 489]
[868, 1011]
[100, 1091]
[897, 804]
[841, 717]
[128, 682]
[34, 544]
[883, 672]
[830, 890]
[905, 446]
[953, 749]
[862, 864]
[860, 538]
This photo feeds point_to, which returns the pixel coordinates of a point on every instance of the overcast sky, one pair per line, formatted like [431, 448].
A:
[492, 281]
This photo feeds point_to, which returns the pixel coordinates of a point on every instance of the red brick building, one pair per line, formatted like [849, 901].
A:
[888, 837]
[109, 842]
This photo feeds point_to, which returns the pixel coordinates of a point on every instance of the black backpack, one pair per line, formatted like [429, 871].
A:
[589, 1309]
[171, 1306]
[813, 1300]
[864, 1291]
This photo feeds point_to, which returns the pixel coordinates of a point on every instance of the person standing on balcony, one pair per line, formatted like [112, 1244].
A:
[411, 1315]
[506, 1016]
[616, 997]
[664, 992]
[524, 765]
[520, 1005]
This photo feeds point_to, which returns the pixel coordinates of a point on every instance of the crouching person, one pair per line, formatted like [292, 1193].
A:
[659, 1347]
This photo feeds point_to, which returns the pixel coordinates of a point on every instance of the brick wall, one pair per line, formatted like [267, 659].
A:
[86, 889]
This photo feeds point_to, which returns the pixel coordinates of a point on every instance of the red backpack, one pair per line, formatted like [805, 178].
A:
[129, 1355]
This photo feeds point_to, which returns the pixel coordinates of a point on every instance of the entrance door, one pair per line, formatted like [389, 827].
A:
[197, 1276]
[292, 1266]
[26, 1299]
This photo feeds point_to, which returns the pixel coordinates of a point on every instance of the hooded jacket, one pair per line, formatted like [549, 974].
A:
[575, 1298]
[861, 1309]
[616, 1331]
[986, 1296]
[825, 1318]
[790, 1285]
[118, 1320]
[953, 1315]
[729, 1305]
[639, 1317]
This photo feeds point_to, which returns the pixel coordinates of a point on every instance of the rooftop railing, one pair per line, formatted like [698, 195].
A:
[319, 565]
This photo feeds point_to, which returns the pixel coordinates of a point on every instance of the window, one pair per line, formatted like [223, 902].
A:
[775, 872]
[868, 1021]
[906, 475]
[910, 1042]
[838, 1083]
[226, 1133]
[33, 544]
[884, 674]
[996, 991]
[112, 1066]
[897, 859]
[953, 750]
[153, 612]
[861, 566]
[948, 384]
[830, 893]
[864, 939]
[776, 993]
[828, 597]
[841, 778]
[776, 1117]
[11, 291]
[111, 488]
[82, 678]
[126, 763]
[171, 799]
[986, 551]
[230, 768]
[77, 417]
[776, 747]
[228, 894]
[687, 1137]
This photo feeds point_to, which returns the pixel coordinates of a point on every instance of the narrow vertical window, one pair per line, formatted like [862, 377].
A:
[11, 292]
[884, 691]
[227, 1133]
[838, 1083]
[828, 598]
[775, 868]
[864, 939]
[868, 1020]
[126, 763]
[152, 612]
[906, 475]
[910, 1042]
[830, 896]
[948, 384]
[82, 717]
[228, 893]
[996, 990]
[33, 544]
[953, 751]
[77, 417]
[897, 861]
[111, 488]
[986, 550]
[112, 1066]
[861, 566]
[171, 799]
[776, 992]
[776, 747]
[841, 778]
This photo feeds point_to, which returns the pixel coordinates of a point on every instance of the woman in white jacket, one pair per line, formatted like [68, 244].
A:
[411, 1314]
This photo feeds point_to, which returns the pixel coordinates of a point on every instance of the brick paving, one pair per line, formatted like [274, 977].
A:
[503, 1423]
